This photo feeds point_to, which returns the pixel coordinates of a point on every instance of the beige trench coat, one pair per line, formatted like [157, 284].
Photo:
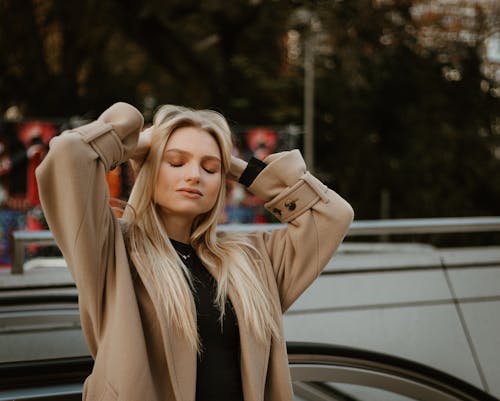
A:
[138, 356]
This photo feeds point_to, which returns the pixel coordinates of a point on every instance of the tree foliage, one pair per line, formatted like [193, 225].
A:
[393, 122]
[392, 116]
[87, 54]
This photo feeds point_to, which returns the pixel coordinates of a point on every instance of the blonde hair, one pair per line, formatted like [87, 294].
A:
[232, 258]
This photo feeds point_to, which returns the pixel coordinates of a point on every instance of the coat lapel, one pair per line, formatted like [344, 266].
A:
[181, 359]
[254, 357]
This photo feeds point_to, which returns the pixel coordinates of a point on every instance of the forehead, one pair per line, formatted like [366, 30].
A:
[193, 140]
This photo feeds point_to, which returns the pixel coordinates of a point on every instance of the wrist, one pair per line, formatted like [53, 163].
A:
[237, 167]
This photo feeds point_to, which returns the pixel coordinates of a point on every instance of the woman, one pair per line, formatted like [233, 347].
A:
[170, 308]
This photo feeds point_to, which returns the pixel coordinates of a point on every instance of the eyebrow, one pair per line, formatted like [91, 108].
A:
[183, 152]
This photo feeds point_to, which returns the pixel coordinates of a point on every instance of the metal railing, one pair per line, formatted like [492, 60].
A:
[21, 240]
[358, 228]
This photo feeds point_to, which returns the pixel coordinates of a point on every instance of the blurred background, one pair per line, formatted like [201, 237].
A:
[395, 104]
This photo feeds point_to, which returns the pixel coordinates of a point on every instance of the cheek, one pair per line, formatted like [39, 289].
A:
[163, 182]
[215, 184]
[164, 177]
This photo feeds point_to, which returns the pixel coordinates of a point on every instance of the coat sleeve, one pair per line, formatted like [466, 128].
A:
[75, 200]
[317, 220]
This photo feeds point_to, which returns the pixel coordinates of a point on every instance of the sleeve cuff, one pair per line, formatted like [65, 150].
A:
[253, 169]
[294, 201]
[114, 134]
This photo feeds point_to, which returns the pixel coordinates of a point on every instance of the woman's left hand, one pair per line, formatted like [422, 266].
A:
[237, 167]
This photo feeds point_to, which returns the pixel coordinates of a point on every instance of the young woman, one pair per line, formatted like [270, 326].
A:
[171, 308]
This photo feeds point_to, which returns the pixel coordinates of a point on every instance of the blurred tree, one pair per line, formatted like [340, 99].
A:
[394, 115]
[394, 120]
[225, 55]
[81, 56]
[50, 49]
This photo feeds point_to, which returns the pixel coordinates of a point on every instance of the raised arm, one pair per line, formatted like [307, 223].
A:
[75, 200]
[317, 220]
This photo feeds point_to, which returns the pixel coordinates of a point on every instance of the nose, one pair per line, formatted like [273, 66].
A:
[193, 173]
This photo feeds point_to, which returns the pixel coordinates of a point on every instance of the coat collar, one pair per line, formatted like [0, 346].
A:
[180, 357]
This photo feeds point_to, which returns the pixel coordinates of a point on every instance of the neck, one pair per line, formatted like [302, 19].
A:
[178, 228]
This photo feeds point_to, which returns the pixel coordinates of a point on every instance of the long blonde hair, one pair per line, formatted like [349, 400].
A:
[232, 258]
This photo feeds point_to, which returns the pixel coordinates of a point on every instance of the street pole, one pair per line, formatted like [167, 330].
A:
[309, 99]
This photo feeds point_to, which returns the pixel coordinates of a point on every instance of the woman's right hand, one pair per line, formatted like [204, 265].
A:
[142, 149]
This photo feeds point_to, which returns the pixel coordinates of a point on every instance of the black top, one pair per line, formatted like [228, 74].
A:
[218, 368]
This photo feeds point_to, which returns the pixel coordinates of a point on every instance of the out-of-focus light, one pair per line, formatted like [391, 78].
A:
[493, 48]
[13, 113]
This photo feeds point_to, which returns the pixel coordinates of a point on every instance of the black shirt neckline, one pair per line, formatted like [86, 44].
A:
[181, 246]
[218, 365]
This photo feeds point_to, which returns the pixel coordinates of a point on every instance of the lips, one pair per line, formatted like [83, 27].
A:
[190, 192]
